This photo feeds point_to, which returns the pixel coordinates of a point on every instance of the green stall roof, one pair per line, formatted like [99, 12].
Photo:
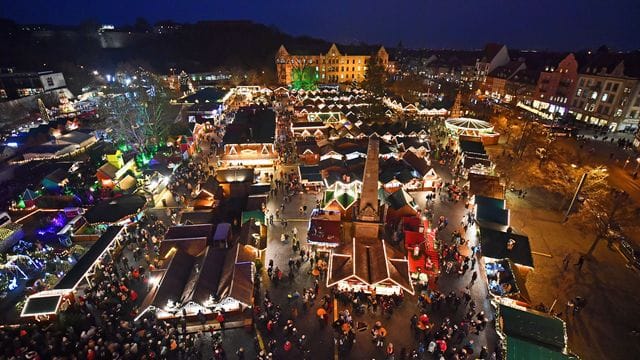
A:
[518, 349]
[258, 215]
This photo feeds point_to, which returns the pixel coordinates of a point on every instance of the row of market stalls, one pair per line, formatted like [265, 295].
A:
[343, 161]
[399, 106]
[66, 145]
[506, 253]
[337, 127]
[506, 261]
[207, 263]
[248, 142]
[200, 270]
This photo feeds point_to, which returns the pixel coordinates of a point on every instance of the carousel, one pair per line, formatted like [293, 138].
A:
[472, 127]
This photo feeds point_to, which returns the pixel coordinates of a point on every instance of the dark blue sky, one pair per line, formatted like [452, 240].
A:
[540, 24]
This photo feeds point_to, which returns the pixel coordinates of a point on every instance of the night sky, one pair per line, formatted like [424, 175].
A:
[539, 24]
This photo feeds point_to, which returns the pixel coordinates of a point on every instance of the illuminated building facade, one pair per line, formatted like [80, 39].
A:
[330, 67]
[605, 95]
[556, 86]
[15, 85]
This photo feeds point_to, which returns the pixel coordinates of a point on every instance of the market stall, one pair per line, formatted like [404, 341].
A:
[506, 279]
[421, 250]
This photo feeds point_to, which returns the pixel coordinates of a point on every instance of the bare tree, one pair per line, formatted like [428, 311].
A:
[138, 118]
[606, 211]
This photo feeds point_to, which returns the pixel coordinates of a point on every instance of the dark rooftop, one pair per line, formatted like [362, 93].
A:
[252, 125]
[494, 245]
[112, 211]
[87, 260]
[206, 95]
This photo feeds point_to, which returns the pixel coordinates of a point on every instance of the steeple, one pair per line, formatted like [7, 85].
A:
[369, 207]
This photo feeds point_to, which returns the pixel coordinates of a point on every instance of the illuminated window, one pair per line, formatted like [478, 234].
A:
[579, 93]
[594, 95]
[605, 96]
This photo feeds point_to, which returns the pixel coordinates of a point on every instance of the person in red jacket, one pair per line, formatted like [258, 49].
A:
[133, 295]
[220, 319]
[287, 346]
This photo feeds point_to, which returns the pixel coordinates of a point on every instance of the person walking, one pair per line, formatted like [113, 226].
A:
[474, 277]
[580, 262]
[565, 261]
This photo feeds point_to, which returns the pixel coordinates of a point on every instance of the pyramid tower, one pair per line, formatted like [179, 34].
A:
[456, 109]
[369, 207]
[44, 114]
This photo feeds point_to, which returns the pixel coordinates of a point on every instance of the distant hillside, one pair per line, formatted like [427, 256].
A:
[194, 47]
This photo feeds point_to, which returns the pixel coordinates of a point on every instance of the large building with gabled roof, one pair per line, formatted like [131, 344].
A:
[333, 66]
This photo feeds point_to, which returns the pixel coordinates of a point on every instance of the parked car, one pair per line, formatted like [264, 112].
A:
[631, 252]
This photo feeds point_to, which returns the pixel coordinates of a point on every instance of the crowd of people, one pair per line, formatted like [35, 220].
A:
[100, 322]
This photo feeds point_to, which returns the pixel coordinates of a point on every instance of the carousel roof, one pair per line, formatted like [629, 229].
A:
[464, 124]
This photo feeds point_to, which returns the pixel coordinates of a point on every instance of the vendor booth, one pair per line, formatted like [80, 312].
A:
[215, 279]
[422, 253]
[325, 229]
[506, 279]
[525, 333]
